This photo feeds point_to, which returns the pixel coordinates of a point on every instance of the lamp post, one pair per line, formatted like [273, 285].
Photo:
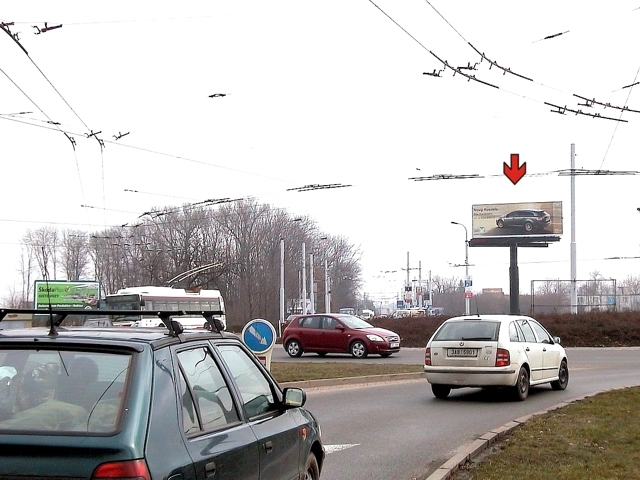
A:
[466, 264]
[281, 321]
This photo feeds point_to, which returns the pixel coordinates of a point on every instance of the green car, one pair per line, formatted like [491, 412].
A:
[152, 403]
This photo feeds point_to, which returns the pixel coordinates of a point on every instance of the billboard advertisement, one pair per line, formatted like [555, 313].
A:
[66, 294]
[517, 219]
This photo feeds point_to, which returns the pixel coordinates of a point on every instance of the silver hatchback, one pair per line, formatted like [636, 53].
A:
[507, 351]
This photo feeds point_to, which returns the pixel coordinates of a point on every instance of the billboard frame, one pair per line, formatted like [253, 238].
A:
[68, 294]
[484, 221]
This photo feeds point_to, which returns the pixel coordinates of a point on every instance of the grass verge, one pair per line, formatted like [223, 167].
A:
[299, 371]
[595, 438]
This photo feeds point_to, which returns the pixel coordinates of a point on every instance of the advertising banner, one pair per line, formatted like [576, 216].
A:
[65, 294]
[517, 219]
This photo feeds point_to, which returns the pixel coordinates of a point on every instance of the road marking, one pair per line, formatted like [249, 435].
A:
[337, 448]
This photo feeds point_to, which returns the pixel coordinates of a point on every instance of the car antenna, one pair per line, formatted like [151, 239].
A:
[52, 329]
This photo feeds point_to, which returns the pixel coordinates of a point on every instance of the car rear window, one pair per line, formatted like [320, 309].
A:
[468, 330]
[61, 391]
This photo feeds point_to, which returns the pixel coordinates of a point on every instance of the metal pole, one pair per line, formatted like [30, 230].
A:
[281, 287]
[304, 280]
[311, 278]
[574, 292]
[466, 265]
[466, 269]
[514, 281]
[420, 283]
[327, 298]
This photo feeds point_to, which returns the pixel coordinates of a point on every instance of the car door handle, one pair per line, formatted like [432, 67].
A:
[544, 349]
[268, 446]
[210, 469]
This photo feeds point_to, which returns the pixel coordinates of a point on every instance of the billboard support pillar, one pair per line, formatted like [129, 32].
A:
[514, 281]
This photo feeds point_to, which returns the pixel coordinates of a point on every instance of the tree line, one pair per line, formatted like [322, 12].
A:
[239, 240]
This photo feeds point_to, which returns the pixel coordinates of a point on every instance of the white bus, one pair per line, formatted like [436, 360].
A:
[165, 299]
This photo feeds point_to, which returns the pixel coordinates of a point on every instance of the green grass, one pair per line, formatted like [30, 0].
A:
[298, 371]
[595, 438]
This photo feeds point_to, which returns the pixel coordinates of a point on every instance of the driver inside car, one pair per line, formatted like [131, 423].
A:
[35, 406]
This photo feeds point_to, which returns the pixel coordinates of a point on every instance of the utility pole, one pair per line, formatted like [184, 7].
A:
[304, 280]
[311, 279]
[466, 266]
[574, 293]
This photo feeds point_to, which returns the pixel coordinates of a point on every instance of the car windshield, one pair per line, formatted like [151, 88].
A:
[61, 390]
[468, 330]
[355, 322]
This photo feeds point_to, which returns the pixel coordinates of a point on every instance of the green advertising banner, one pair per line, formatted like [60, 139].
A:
[65, 294]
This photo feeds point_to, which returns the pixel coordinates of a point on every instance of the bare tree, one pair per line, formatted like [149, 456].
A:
[74, 251]
[549, 287]
[441, 284]
[43, 244]
[631, 284]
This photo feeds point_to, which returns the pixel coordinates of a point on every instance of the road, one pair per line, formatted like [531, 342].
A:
[399, 430]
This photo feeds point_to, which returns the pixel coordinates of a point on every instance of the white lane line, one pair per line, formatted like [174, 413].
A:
[337, 448]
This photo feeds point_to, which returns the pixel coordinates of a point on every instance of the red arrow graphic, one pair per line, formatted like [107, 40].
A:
[516, 171]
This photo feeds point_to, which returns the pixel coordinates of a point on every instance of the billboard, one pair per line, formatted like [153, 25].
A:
[66, 294]
[529, 219]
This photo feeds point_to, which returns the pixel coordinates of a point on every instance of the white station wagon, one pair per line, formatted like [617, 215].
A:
[510, 351]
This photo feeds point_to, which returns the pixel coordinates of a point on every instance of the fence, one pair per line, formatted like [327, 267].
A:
[549, 296]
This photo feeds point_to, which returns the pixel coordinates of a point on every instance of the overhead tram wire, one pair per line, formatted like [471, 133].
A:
[508, 70]
[613, 134]
[155, 152]
[54, 124]
[444, 62]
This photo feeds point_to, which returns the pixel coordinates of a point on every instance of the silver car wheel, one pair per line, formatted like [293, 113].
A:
[358, 349]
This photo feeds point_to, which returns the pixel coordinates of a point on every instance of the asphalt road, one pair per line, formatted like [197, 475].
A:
[399, 430]
[404, 356]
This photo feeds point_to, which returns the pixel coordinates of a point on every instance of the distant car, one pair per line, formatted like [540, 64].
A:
[146, 403]
[508, 351]
[337, 333]
[530, 220]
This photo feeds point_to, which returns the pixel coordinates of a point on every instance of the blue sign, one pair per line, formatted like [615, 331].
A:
[467, 283]
[259, 335]
[400, 304]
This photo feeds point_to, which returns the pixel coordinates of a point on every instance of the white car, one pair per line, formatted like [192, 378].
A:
[511, 351]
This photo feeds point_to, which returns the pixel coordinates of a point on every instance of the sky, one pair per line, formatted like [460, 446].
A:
[135, 105]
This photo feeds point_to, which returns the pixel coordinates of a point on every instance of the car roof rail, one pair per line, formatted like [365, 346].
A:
[58, 315]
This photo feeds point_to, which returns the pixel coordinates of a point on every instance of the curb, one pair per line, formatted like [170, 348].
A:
[333, 382]
[475, 448]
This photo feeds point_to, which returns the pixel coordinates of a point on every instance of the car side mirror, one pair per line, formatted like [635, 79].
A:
[294, 397]
[556, 339]
[339, 327]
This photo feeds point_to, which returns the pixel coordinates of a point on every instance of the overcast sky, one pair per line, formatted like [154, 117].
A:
[330, 92]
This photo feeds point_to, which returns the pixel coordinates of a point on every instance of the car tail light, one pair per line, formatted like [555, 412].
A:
[129, 470]
[503, 358]
[427, 356]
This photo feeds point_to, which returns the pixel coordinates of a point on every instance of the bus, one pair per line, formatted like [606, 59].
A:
[156, 299]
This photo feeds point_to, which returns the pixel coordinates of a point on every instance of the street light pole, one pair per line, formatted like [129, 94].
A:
[281, 288]
[466, 264]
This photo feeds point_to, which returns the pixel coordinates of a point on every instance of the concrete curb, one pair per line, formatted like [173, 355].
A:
[475, 448]
[332, 382]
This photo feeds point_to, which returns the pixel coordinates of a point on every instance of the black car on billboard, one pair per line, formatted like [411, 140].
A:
[529, 220]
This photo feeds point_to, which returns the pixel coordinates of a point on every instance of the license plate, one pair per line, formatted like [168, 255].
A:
[394, 345]
[462, 352]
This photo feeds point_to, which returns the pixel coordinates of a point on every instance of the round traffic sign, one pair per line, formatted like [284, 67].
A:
[259, 335]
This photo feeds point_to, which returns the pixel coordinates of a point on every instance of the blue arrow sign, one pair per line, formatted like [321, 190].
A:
[259, 335]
